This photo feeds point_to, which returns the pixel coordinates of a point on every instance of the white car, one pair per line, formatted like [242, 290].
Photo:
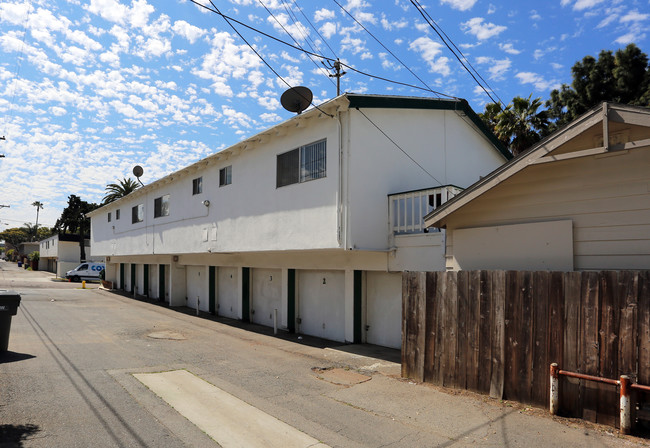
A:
[85, 271]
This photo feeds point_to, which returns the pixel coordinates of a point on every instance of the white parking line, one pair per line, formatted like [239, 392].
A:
[230, 421]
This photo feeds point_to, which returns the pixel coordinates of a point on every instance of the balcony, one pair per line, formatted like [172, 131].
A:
[407, 210]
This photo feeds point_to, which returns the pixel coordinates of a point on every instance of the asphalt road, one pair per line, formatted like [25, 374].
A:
[68, 381]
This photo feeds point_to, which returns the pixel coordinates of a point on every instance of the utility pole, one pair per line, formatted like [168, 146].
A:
[337, 66]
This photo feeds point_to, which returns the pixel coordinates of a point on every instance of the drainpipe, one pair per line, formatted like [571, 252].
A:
[339, 233]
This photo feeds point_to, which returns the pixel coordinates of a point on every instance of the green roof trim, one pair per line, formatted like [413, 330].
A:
[459, 105]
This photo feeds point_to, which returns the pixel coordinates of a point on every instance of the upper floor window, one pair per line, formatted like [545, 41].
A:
[109, 216]
[225, 176]
[137, 213]
[302, 164]
[161, 206]
[117, 214]
[197, 185]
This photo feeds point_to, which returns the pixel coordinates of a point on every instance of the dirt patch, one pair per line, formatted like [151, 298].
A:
[341, 377]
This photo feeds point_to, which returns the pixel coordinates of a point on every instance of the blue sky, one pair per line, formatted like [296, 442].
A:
[89, 89]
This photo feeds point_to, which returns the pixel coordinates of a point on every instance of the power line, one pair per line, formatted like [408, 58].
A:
[440, 33]
[291, 36]
[326, 58]
[314, 28]
[385, 48]
[216, 10]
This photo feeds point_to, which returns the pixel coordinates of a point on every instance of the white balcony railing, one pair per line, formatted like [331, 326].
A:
[407, 210]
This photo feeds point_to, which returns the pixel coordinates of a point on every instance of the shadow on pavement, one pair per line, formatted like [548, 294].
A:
[14, 435]
[6, 357]
[372, 351]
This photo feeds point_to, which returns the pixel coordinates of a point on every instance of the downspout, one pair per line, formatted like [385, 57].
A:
[340, 234]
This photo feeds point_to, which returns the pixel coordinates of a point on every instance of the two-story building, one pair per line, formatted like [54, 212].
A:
[61, 253]
[308, 224]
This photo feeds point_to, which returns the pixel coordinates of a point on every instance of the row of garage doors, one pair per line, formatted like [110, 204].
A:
[316, 306]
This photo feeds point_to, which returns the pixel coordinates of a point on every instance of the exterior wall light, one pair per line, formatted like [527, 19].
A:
[206, 203]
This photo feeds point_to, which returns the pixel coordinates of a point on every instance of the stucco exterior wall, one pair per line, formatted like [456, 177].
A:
[450, 149]
[250, 214]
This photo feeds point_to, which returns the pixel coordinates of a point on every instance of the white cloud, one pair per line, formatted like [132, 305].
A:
[190, 32]
[328, 29]
[270, 117]
[497, 67]
[58, 111]
[324, 14]
[481, 30]
[537, 81]
[508, 48]
[461, 5]
[580, 5]
[634, 16]
[429, 51]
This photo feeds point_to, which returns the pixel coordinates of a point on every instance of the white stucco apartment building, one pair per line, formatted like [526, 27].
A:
[315, 217]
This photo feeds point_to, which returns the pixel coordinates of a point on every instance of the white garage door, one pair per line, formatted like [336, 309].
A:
[384, 309]
[266, 296]
[227, 292]
[321, 304]
[196, 287]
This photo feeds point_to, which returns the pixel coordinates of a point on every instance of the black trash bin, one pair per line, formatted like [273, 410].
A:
[9, 303]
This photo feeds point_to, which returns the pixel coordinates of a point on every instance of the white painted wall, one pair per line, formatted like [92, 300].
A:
[196, 288]
[384, 309]
[266, 296]
[450, 150]
[228, 304]
[250, 214]
[321, 307]
[418, 252]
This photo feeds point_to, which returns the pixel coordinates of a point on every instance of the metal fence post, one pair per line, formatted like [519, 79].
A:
[554, 404]
[626, 405]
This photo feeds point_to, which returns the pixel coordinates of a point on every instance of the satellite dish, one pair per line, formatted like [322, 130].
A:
[296, 99]
[137, 172]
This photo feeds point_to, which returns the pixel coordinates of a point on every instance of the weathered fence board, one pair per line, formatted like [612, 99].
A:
[496, 332]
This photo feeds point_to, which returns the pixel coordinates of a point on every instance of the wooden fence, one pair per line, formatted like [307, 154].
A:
[496, 332]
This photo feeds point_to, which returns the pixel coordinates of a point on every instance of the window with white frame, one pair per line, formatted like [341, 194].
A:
[161, 206]
[225, 176]
[197, 185]
[109, 216]
[137, 213]
[117, 214]
[302, 164]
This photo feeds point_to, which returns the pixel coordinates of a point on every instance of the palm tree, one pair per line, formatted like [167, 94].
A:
[39, 206]
[520, 125]
[119, 190]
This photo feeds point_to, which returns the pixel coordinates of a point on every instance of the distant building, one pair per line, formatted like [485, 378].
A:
[61, 253]
[311, 220]
[26, 249]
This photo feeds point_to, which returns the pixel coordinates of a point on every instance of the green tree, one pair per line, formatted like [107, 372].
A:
[621, 77]
[73, 220]
[119, 190]
[520, 125]
[15, 236]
